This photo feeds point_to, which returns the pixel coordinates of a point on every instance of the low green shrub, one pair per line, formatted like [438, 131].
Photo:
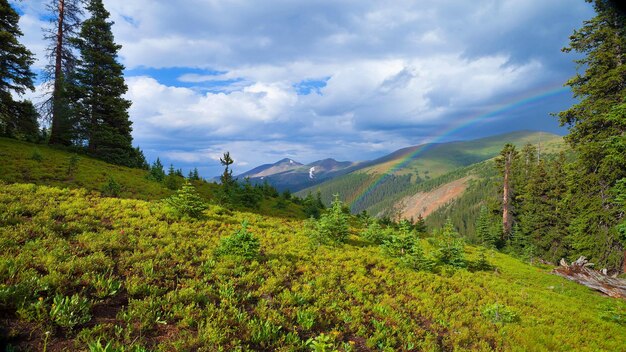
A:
[449, 247]
[499, 313]
[112, 188]
[187, 202]
[332, 227]
[36, 155]
[374, 233]
[241, 244]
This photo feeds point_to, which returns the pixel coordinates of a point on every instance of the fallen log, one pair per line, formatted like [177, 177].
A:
[580, 272]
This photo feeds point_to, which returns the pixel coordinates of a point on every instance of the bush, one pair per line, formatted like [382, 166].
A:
[67, 312]
[405, 245]
[36, 155]
[111, 188]
[241, 244]
[499, 313]
[187, 202]
[374, 233]
[332, 227]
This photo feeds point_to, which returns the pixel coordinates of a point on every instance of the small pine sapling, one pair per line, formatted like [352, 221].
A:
[187, 202]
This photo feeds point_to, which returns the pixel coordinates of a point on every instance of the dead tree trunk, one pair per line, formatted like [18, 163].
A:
[56, 128]
[506, 196]
[580, 272]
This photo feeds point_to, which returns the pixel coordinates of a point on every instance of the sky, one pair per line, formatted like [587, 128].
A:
[347, 79]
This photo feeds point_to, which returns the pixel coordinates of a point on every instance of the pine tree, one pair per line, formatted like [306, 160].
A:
[171, 180]
[156, 171]
[196, 175]
[101, 108]
[16, 118]
[187, 202]
[227, 177]
[484, 229]
[65, 20]
[420, 225]
[597, 132]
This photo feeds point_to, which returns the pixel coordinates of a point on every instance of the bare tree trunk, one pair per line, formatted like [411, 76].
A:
[56, 128]
[506, 197]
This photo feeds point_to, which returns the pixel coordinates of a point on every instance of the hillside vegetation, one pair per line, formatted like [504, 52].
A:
[44, 165]
[382, 184]
[78, 270]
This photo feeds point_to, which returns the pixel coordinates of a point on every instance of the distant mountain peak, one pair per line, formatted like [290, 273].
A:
[287, 161]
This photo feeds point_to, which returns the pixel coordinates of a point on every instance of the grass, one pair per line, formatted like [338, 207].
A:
[42, 165]
[177, 295]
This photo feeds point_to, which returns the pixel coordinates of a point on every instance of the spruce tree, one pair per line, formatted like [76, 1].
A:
[484, 229]
[196, 174]
[156, 171]
[597, 132]
[101, 108]
[16, 118]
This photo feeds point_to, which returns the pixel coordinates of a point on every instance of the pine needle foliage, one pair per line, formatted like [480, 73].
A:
[332, 227]
[240, 244]
[187, 202]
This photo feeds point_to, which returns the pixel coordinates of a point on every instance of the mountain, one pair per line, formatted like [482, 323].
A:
[291, 175]
[377, 186]
[271, 169]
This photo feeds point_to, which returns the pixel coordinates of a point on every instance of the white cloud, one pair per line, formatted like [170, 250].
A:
[390, 69]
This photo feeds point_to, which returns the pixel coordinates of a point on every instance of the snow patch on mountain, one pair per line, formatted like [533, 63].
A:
[312, 172]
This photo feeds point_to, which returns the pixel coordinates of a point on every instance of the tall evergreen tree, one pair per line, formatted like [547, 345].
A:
[597, 132]
[100, 107]
[16, 118]
[65, 22]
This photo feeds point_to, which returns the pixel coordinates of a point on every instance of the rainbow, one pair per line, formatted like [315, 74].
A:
[459, 125]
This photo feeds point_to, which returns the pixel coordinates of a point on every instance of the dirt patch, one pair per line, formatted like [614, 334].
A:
[424, 203]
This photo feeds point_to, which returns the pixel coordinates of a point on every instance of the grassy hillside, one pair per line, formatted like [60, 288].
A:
[420, 164]
[43, 165]
[377, 190]
[145, 279]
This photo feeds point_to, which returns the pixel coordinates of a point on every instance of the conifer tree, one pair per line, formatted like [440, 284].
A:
[156, 171]
[196, 174]
[65, 20]
[420, 225]
[16, 118]
[101, 108]
[227, 177]
[483, 229]
[597, 132]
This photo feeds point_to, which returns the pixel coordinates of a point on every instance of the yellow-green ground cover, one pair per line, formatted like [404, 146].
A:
[78, 272]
